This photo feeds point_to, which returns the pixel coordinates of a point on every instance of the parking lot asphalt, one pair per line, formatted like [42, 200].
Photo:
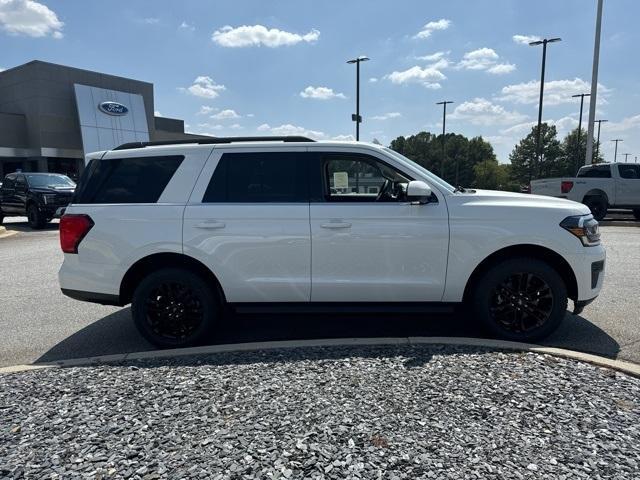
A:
[39, 324]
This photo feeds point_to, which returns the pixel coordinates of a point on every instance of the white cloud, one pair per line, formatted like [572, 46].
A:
[525, 39]
[556, 92]
[151, 20]
[205, 87]
[250, 115]
[434, 57]
[225, 115]
[236, 126]
[428, 76]
[628, 123]
[481, 111]
[206, 110]
[257, 35]
[430, 27]
[320, 93]
[344, 138]
[386, 116]
[28, 17]
[502, 68]
[185, 26]
[373, 80]
[288, 129]
[157, 113]
[485, 59]
[479, 59]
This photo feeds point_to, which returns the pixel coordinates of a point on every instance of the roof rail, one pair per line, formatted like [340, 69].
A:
[214, 140]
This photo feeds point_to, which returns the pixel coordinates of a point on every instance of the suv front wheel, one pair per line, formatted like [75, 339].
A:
[174, 308]
[35, 218]
[522, 299]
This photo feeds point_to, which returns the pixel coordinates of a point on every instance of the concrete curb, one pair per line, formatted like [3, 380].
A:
[619, 365]
[619, 223]
[4, 233]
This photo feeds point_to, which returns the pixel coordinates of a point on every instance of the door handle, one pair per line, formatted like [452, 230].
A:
[336, 225]
[210, 225]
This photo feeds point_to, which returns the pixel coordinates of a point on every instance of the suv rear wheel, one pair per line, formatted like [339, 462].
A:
[174, 308]
[521, 299]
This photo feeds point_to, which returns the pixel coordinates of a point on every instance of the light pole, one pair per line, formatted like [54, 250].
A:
[357, 118]
[615, 155]
[444, 123]
[626, 156]
[599, 122]
[581, 95]
[594, 85]
[544, 43]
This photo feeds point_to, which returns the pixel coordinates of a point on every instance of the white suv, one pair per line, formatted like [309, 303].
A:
[186, 231]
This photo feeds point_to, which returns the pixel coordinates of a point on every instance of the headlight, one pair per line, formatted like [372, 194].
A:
[585, 227]
[48, 198]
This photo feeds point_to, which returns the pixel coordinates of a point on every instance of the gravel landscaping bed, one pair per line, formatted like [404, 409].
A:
[369, 412]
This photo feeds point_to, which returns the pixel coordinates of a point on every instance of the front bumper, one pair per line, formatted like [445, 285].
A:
[588, 265]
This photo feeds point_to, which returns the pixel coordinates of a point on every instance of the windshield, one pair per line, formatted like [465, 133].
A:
[433, 178]
[49, 181]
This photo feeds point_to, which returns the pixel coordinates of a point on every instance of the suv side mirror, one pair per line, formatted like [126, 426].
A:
[418, 191]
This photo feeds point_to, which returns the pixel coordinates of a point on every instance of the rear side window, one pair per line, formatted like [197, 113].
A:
[599, 171]
[630, 172]
[266, 177]
[127, 180]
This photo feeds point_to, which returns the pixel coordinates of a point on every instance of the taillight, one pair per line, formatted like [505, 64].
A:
[73, 229]
[565, 187]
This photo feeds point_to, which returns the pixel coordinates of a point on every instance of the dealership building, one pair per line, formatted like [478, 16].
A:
[52, 115]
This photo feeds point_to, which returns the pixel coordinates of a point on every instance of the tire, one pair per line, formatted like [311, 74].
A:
[36, 219]
[163, 302]
[598, 206]
[636, 213]
[497, 303]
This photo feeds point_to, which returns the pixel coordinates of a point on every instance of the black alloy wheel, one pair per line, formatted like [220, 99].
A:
[521, 303]
[174, 308]
[34, 217]
[520, 299]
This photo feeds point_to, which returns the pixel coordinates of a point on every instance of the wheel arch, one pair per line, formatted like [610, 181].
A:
[596, 192]
[157, 261]
[555, 260]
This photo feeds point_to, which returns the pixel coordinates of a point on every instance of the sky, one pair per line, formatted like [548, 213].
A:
[249, 67]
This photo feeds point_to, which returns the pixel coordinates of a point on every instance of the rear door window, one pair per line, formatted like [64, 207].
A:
[127, 180]
[598, 171]
[629, 172]
[265, 177]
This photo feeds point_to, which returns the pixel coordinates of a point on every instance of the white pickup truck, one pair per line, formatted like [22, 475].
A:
[600, 187]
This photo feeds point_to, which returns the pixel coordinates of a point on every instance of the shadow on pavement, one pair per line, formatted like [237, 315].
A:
[116, 333]
[23, 226]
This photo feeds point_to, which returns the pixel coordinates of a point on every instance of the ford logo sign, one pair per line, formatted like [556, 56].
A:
[113, 108]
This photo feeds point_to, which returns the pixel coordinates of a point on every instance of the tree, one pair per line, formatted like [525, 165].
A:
[524, 166]
[491, 175]
[575, 154]
[462, 154]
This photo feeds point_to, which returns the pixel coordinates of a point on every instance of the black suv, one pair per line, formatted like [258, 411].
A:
[35, 195]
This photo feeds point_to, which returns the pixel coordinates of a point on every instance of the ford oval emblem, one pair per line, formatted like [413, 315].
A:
[113, 108]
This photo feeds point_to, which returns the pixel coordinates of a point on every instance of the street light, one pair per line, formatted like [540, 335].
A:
[594, 85]
[357, 118]
[544, 43]
[615, 155]
[444, 123]
[599, 122]
[581, 95]
[626, 156]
